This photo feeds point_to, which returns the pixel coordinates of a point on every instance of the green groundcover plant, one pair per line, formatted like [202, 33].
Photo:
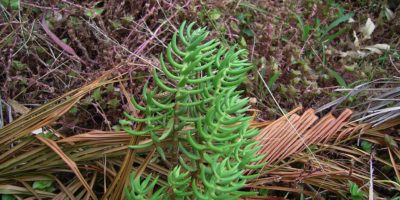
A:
[196, 109]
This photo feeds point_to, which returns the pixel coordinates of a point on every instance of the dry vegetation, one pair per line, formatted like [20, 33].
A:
[67, 69]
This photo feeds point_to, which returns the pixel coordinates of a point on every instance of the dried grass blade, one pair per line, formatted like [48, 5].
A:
[116, 190]
[287, 189]
[11, 163]
[87, 196]
[16, 148]
[338, 124]
[284, 138]
[72, 187]
[57, 40]
[69, 162]
[96, 136]
[47, 113]
[144, 164]
[394, 165]
[11, 189]
[30, 189]
[296, 143]
[63, 188]
[131, 107]
[277, 137]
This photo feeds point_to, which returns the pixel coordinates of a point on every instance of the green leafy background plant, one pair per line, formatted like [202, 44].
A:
[197, 106]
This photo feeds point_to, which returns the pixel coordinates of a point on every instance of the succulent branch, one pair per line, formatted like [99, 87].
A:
[196, 104]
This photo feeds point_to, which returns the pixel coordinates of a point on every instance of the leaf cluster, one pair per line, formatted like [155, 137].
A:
[196, 104]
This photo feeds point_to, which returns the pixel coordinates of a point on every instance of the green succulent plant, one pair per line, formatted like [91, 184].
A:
[196, 105]
[140, 188]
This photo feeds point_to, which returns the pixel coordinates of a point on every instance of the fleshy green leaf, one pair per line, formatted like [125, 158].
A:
[13, 4]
